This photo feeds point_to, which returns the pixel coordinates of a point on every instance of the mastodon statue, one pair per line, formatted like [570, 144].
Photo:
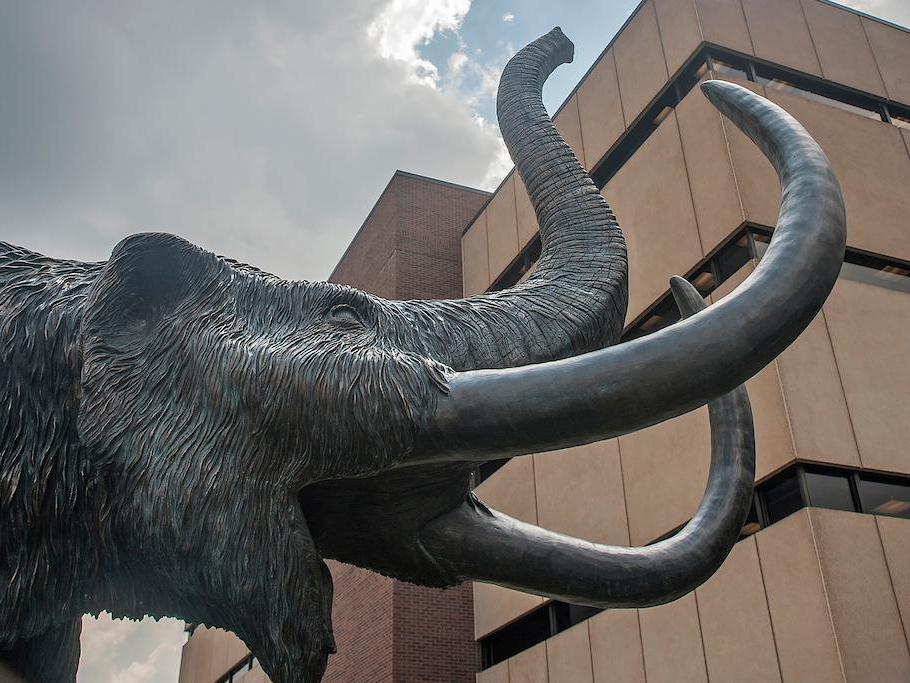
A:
[183, 435]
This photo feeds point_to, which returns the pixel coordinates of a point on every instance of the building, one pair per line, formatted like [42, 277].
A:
[818, 588]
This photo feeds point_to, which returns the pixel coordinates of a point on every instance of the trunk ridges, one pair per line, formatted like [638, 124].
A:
[576, 299]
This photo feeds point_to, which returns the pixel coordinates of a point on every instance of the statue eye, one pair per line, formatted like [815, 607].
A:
[345, 314]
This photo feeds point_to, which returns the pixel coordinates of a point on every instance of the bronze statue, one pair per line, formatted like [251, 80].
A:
[183, 435]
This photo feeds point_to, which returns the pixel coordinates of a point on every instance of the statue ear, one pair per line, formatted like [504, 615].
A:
[147, 277]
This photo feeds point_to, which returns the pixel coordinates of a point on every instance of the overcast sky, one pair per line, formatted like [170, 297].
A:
[263, 131]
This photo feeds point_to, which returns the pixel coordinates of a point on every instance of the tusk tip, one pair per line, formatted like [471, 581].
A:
[687, 298]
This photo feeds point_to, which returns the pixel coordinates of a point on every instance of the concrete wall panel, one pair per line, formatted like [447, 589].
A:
[759, 189]
[680, 32]
[872, 166]
[502, 228]
[735, 625]
[895, 535]
[529, 666]
[714, 193]
[616, 653]
[256, 676]
[569, 656]
[210, 645]
[600, 109]
[527, 219]
[511, 491]
[568, 124]
[842, 48]
[580, 492]
[665, 468]
[495, 674]
[230, 651]
[863, 606]
[474, 257]
[640, 63]
[891, 47]
[190, 657]
[723, 23]
[671, 640]
[653, 204]
[816, 405]
[773, 440]
[780, 33]
[495, 606]
[804, 634]
[868, 326]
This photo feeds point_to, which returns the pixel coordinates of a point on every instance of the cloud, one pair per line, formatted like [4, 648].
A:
[403, 25]
[263, 132]
[124, 651]
[508, 17]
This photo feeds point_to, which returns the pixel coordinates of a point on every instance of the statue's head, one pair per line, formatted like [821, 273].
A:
[192, 358]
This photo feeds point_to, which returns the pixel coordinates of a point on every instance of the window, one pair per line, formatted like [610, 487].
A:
[830, 490]
[566, 615]
[900, 120]
[890, 276]
[753, 520]
[726, 68]
[884, 496]
[516, 637]
[729, 260]
[811, 89]
[782, 496]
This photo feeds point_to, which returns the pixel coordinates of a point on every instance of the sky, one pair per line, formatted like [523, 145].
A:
[263, 131]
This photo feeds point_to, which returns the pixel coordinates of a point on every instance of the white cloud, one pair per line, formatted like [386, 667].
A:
[404, 25]
[124, 651]
[263, 132]
[508, 17]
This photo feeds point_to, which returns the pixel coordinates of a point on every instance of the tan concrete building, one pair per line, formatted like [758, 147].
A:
[818, 589]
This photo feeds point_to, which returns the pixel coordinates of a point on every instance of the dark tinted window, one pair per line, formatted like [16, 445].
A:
[782, 496]
[753, 521]
[733, 257]
[881, 497]
[829, 490]
[518, 636]
[568, 615]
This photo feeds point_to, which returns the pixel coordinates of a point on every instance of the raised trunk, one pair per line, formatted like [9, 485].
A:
[576, 299]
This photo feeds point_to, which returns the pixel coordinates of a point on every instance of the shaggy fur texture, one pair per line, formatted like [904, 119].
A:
[162, 413]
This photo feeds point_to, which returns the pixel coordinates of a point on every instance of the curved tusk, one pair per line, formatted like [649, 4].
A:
[490, 414]
[475, 542]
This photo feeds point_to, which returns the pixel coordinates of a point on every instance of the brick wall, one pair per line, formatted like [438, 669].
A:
[409, 247]
[388, 631]
[434, 634]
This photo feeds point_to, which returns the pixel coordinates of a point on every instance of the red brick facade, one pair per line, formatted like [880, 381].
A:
[409, 247]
